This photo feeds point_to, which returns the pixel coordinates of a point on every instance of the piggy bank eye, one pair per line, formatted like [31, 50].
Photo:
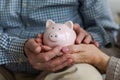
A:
[59, 28]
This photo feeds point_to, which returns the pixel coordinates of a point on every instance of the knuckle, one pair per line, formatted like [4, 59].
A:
[37, 49]
[28, 43]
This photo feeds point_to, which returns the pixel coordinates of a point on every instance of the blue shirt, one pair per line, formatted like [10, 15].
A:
[24, 19]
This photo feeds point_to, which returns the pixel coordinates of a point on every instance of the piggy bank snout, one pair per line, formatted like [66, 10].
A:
[54, 36]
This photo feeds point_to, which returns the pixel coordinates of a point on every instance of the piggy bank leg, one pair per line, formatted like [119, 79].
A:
[76, 72]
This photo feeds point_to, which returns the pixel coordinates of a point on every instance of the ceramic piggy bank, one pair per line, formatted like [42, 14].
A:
[59, 34]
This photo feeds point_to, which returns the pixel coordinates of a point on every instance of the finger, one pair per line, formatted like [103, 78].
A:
[76, 27]
[87, 39]
[33, 46]
[46, 48]
[39, 35]
[47, 67]
[27, 52]
[80, 33]
[31, 57]
[95, 43]
[46, 56]
[59, 60]
[50, 65]
[80, 38]
[38, 40]
[74, 48]
[36, 49]
[65, 64]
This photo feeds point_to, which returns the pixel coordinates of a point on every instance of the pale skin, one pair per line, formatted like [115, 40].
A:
[42, 57]
[88, 53]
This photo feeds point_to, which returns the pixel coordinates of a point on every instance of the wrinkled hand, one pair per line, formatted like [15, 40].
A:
[83, 36]
[87, 53]
[41, 59]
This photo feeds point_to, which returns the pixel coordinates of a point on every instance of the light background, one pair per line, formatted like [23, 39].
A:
[115, 7]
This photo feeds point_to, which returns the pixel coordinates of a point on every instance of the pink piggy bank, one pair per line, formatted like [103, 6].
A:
[64, 35]
[59, 34]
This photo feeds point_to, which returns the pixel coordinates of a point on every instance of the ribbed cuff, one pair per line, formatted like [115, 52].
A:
[113, 69]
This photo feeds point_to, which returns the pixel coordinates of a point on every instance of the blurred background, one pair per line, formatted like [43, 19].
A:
[115, 7]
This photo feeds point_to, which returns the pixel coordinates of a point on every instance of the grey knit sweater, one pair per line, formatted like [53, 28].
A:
[113, 69]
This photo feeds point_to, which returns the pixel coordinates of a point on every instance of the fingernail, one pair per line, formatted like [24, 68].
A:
[65, 49]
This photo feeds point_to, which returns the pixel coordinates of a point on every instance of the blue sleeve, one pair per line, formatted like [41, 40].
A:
[98, 21]
[11, 49]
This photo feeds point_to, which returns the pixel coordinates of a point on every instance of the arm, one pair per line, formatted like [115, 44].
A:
[90, 54]
[98, 21]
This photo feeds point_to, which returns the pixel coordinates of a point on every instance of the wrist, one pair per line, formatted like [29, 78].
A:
[102, 62]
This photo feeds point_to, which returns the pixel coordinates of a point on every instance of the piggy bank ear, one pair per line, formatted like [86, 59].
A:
[69, 24]
[49, 22]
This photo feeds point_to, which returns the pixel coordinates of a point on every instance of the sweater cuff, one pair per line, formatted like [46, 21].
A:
[113, 69]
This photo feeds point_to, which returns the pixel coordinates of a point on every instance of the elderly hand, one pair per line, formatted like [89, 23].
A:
[83, 36]
[42, 58]
[87, 53]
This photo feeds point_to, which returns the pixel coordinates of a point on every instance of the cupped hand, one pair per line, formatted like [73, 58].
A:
[42, 57]
[83, 36]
